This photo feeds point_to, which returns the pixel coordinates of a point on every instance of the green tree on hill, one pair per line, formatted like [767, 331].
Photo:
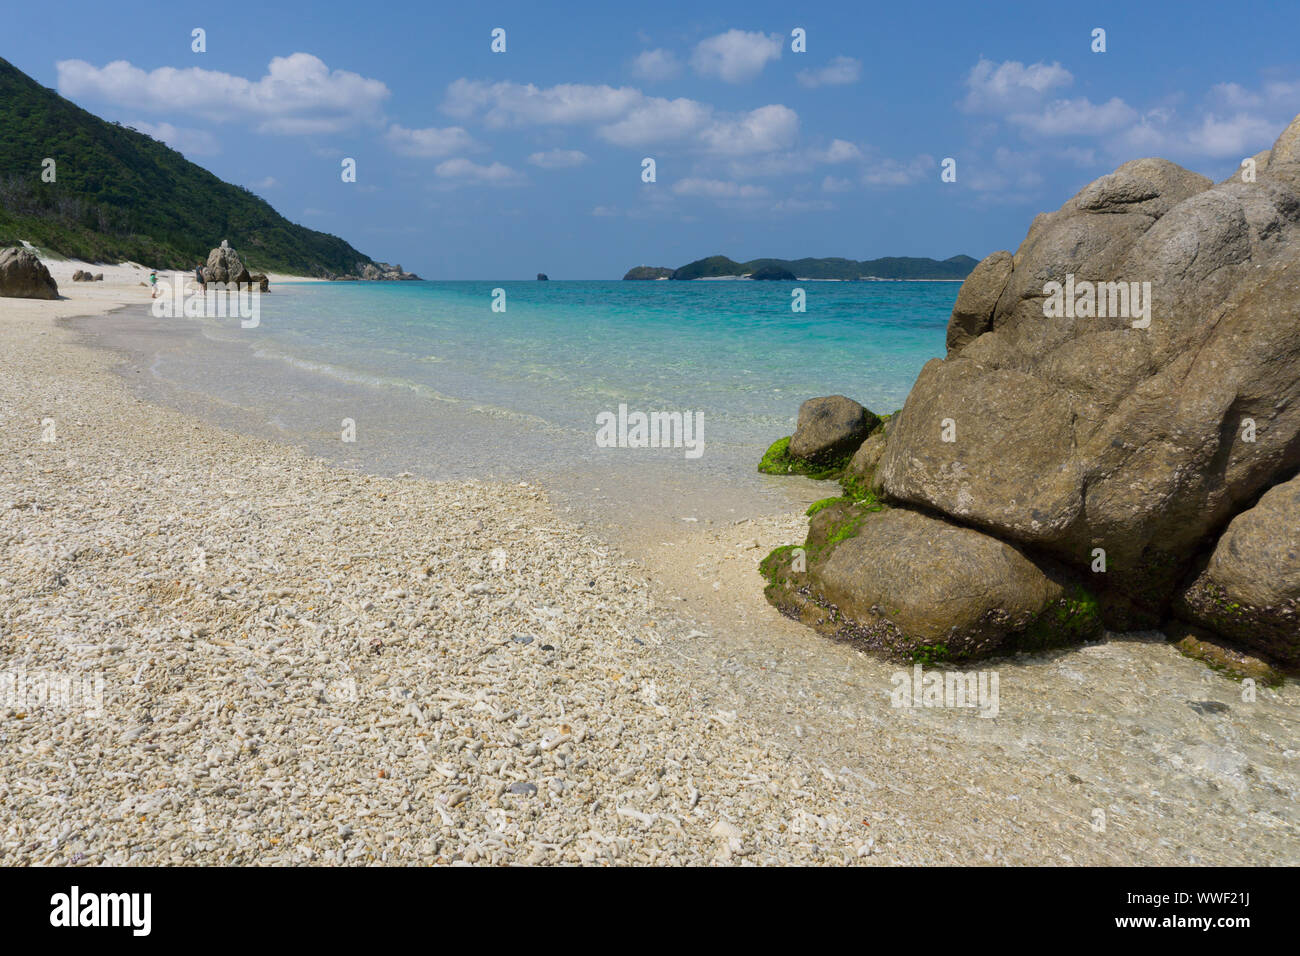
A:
[119, 194]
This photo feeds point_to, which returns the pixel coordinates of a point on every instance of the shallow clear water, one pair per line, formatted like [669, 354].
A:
[439, 384]
[562, 352]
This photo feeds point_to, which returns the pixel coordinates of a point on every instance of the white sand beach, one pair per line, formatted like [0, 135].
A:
[301, 664]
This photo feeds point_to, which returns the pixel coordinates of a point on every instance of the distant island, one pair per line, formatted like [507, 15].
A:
[890, 267]
[649, 272]
[121, 195]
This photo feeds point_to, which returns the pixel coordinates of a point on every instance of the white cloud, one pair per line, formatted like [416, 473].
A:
[763, 130]
[735, 56]
[190, 142]
[430, 141]
[655, 66]
[1276, 93]
[269, 182]
[717, 189]
[1003, 87]
[840, 151]
[1077, 117]
[625, 116]
[834, 184]
[468, 172]
[655, 121]
[839, 72]
[558, 158]
[1240, 135]
[299, 93]
[516, 104]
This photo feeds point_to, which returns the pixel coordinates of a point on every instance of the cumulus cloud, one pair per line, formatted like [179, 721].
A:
[762, 130]
[625, 116]
[464, 171]
[429, 142]
[519, 104]
[1010, 85]
[735, 56]
[1214, 136]
[1077, 117]
[839, 151]
[1272, 94]
[190, 142]
[558, 158]
[298, 94]
[838, 72]
[1238, 135]
[656, 120]
[655, 66]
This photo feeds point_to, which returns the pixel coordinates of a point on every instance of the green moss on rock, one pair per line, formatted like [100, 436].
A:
[777, 460]
[1073, 619]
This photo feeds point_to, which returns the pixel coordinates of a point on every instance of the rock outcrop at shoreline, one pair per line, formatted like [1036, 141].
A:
[225, 266]
[383, 272]
[24, 276]
[1114, 436]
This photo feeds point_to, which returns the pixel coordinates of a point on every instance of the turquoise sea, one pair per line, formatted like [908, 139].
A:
[563, 351]
[438, 383]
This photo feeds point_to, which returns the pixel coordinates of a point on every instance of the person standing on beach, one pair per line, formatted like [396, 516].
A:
[198, 276]
[153, 285]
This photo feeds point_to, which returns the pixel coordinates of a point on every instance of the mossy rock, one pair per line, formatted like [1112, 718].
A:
[777, 460]
[883, 594]
[1219, 655]
[1072, 619]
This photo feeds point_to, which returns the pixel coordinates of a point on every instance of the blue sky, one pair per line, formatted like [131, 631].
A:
[480, 165]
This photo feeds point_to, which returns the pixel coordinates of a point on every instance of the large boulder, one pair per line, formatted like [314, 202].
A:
[977, 298]
[1249, 589]
[225, 266]
[830, 429]
[859, 474]
[1118, 399]
[24, 276]
[1075, 433]
[917, 586]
